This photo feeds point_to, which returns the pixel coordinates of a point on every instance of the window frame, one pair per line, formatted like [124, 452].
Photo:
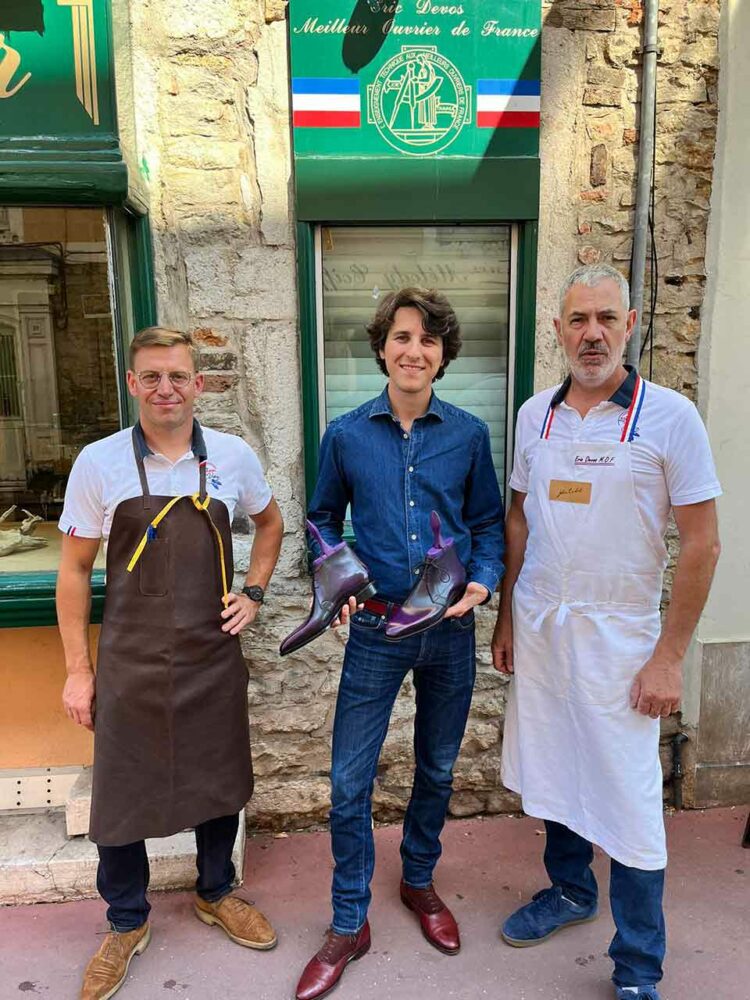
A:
[28, 599]
[521, 345]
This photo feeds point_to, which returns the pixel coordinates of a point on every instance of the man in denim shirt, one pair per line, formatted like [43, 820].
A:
[394, 460]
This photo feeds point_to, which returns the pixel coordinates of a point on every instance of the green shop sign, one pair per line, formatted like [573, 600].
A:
[404, 104]
[58, 127]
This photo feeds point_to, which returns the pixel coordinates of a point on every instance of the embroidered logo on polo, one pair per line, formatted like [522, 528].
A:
[622, 420]
[212, 475]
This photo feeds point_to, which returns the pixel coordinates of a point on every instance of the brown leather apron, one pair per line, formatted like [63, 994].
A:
[171, 737]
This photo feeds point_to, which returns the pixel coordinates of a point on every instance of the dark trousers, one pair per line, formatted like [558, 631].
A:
[123, 874]
[635, 897]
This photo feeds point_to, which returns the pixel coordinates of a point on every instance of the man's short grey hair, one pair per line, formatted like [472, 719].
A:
[592, 275]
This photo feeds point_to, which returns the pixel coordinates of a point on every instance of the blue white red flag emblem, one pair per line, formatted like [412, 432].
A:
[508, 103]
[326, 102]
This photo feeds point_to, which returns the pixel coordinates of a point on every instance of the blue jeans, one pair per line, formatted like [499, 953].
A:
[635, 897]
[123, 874]
[443, 663]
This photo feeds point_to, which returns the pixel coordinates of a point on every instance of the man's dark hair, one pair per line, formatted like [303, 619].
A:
[438, 318]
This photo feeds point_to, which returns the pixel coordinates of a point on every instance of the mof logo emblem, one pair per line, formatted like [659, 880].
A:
[212, 476]
[621, 422]
[419, 102]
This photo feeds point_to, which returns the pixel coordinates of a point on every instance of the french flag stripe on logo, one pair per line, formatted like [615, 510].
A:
[326, 102]
[508, 103]
[71, 531]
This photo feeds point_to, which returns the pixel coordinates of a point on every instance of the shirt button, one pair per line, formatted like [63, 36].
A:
[416, 572]
[411, 503]
[406, 436]
[411, 468]
[414, 538]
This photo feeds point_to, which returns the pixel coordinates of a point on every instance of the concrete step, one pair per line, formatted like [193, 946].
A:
[40, 864]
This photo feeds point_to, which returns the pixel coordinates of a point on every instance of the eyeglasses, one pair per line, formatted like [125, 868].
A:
[150, 380]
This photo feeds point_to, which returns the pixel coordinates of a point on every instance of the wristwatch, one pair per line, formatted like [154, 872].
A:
[255, 593]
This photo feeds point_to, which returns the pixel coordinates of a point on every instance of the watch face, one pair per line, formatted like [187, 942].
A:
[254, 593]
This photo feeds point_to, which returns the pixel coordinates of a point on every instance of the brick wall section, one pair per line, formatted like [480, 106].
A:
[211, 92]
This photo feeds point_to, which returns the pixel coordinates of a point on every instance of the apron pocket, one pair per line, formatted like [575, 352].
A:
[153, 568]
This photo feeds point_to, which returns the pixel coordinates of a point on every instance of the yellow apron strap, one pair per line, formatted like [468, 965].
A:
[154, 524]
[202, 506]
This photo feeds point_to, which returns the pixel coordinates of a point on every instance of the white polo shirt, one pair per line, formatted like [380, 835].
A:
[105, 473]
[670, 454]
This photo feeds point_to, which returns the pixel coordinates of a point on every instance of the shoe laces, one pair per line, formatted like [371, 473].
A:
[332, 946]
[108, 960]
[429, 901]
[550, 898]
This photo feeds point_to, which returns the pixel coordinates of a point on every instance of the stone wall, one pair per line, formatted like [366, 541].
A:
[590, 95]
[213, 127]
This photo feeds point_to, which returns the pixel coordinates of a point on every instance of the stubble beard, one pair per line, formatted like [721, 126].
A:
[593, 376]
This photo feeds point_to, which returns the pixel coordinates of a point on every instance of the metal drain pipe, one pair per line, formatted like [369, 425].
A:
[643, 183]
[677, 773]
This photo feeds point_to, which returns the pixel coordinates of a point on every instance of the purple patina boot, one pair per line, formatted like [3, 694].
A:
[441, 583]
[337, 575]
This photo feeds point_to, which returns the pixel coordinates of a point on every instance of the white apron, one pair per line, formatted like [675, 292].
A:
[586, 619]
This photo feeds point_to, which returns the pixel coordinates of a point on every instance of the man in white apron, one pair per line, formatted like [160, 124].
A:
[599, 463]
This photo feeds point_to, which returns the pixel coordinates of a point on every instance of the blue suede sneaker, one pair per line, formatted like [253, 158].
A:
[644, 992]
[546, 914]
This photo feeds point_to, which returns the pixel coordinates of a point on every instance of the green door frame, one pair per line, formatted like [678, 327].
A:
[523, 384]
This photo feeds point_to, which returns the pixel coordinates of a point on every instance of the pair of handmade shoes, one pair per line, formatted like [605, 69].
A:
[339, 574]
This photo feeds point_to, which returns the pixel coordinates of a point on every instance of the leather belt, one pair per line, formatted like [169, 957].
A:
[379, 607]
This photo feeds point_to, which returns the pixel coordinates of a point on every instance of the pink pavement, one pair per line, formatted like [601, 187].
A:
[489, 867]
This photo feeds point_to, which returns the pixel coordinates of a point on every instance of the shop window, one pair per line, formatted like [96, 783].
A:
[471, 265]
[58, 370]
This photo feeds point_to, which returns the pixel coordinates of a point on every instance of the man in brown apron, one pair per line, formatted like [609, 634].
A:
[168, 705]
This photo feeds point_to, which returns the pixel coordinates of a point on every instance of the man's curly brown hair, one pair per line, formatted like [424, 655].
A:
[438, 318]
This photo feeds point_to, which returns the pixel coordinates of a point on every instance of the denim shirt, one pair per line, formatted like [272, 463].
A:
[393, 480]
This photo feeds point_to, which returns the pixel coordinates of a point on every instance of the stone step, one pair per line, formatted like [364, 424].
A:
[39, 863]
[78, 804]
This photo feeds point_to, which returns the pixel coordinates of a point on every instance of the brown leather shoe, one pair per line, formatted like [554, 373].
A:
[241, 921]
[437, 921]
[325, 968]
[107, 970]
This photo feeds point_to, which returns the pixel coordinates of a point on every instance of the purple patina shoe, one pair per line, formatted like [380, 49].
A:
[441, 583]
[337, 575]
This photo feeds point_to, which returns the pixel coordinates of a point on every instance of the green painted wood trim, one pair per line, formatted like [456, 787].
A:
[63, 182]
[308, 352]
[523, 384]
[28, 599]
[397, 189]
[143, 287]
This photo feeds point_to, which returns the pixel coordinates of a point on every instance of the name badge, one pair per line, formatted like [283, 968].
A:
[569, 492]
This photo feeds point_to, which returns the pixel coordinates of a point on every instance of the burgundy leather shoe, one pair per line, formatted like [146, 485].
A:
[324, 969]
[437, 922]
[441, 583]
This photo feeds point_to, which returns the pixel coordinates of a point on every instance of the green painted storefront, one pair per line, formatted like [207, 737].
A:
[389, 127]
[61, 145]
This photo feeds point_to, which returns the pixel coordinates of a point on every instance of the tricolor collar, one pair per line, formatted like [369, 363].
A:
[629, 395]
[197, 445]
